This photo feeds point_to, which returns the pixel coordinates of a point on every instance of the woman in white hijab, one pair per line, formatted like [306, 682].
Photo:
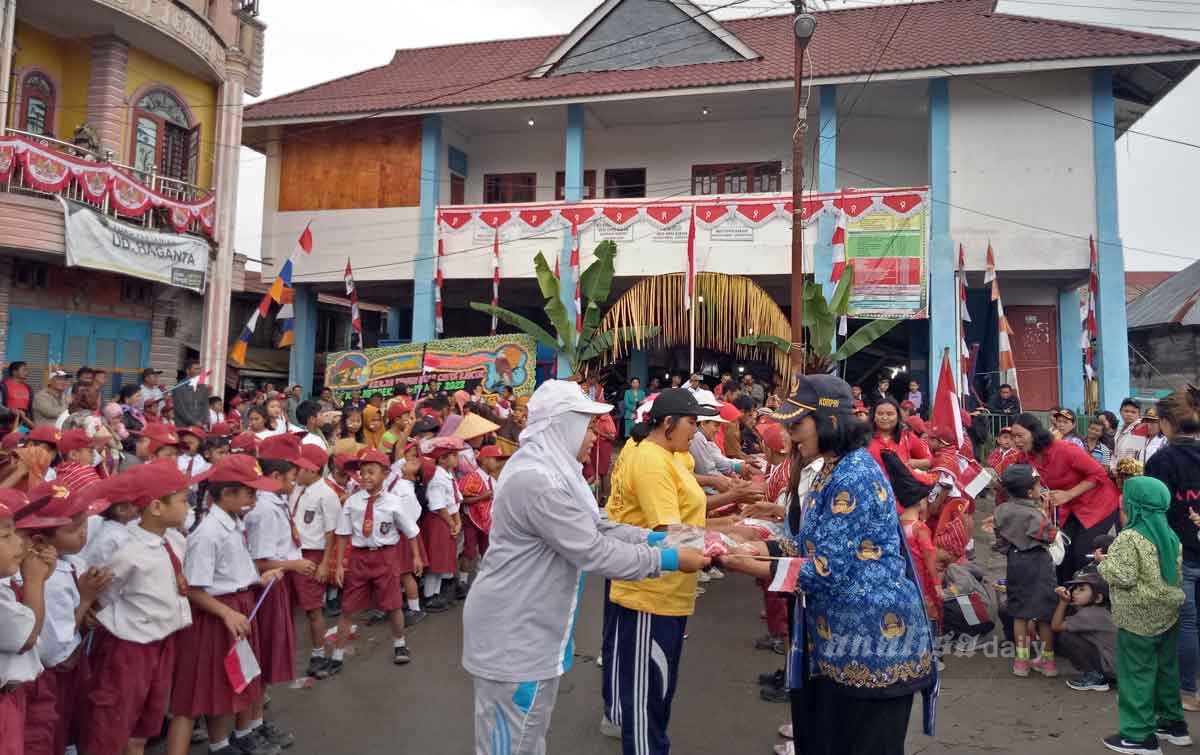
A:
[519, 618]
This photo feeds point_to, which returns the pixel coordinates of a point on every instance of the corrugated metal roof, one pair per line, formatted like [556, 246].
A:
[928, 35]
[1172, 302]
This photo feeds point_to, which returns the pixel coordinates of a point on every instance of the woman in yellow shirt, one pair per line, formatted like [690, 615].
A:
[654, 487]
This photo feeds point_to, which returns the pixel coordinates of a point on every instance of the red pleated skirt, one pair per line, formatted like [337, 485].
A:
[276, 633]
[439, 545]
[12, 721]
[201, 686]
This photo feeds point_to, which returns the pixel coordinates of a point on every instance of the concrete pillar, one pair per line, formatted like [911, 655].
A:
[107, 110]
[826, 182]
[304, 350]
[639, 367]
[1112, 342]
[1070, 353]
[573, 192]
[393, 324]
[214, 334]
[8, 20]
[943, 316]
[425, 266]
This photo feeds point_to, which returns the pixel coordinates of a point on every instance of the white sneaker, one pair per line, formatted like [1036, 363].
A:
[787, 748]
[700, 590]
[703, 576]
[785, 731]
[609, 729]
[716, 573]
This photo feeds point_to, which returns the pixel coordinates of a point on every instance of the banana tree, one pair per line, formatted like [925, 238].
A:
[595, 284]
[821, 318]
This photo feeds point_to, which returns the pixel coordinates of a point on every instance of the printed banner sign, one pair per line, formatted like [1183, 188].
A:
[888, 246]
[102, 243]
[452, 364]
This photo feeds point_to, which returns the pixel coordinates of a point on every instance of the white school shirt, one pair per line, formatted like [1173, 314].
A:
[406, 491]
[16, 622]
[142, 603]
[391, 518]
[350, 489]
[217, 560]
[107, 539]
[192, 465]
[442, 493]
[269, 529]
[313, 439]
[60, 636]
[315, 509]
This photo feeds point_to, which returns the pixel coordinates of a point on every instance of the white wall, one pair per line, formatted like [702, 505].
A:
[1022, 163]
[381, 243]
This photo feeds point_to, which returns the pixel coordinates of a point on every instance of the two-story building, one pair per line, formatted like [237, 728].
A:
[120, 129]
[928, 125]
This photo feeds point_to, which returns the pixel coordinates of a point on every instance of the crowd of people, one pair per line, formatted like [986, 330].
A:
[141, 537]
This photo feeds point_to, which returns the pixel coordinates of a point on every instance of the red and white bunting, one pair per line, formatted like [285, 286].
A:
[579, 216]
[709, 216]
[495, 219]
[755, 214]
[663, 216]
[854, 206]
[1008, 363]
[575, 275]
[903, 204]
[1090, 327]
[453, 221]
[355, 318]
[621, 216]
[495, 277]
[537, 219]
[8, 160]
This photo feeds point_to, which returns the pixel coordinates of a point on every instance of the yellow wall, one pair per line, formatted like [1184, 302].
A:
[200, 96]
[69, 63]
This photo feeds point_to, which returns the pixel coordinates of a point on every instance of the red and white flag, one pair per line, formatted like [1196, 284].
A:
[1090, 330]
[945, 412]
[1008, 364]
[964, 355]
[199, 380]
[439, 323]
[575, 275]
[495, 276]
[787, 575]
[304, 243]
[355, 318]
[241, 667]
[689, 288]
[838, 242]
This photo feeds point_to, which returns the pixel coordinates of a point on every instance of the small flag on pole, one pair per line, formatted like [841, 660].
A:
[690, 288]
[1090, 330]
[575, 274]
[199, 380]
[355, 319]
[1008, 364]
[439, 323]
[838, 242]
[496, 277]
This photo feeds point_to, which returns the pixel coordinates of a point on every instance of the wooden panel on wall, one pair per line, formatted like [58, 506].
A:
[359, 165]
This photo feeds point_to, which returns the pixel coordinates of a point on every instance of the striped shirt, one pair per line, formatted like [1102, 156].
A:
[75, 476]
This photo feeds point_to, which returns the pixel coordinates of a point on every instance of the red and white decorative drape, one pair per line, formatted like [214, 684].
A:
[1008, 364]
[1090, 329]
[495, 278]
[964, 316]
[48, 170]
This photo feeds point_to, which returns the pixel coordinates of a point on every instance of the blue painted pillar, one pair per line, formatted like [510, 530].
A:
[826, 183]
[426, 261]
[393, 324]
[942, 315]
[304, 350]
[1112, 343]
[639, 367]
[1070, 355]
[573, 192]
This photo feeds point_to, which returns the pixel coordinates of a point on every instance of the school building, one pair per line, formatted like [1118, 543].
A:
[928, 126]
[119, 139]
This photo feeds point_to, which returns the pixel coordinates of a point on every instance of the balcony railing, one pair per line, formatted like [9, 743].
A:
[171, 205]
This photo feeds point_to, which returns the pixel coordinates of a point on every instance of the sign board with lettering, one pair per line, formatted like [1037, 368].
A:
[103, 243]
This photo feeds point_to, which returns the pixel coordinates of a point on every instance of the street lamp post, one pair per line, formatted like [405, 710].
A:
[803, 25]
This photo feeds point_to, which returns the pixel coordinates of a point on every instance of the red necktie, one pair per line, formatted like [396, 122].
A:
[176, 566]
[18, 590]
[369, 516]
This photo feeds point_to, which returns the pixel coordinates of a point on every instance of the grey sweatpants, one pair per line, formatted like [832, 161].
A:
[512, 718]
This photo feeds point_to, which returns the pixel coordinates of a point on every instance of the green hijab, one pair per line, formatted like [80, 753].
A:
[1146, 503]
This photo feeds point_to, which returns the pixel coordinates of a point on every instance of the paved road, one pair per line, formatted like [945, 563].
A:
[374, 707]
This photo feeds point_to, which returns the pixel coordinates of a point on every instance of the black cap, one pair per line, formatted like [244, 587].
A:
[425, 424]
[1019, 479]
[679, 402]
[813, 393]
[1091, 579]
[150, 371]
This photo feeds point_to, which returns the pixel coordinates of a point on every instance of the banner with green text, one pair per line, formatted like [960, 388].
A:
[887, 239]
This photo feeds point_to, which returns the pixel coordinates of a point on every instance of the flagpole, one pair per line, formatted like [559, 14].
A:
[692, 338]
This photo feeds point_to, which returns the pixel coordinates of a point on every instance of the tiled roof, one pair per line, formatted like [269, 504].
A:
[1138, 282]
[942, 33]
[1172, 302]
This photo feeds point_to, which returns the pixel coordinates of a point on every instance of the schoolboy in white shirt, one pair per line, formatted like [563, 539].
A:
[315, 510]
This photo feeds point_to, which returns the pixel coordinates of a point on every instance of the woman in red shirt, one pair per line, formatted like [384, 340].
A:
[1086, 501]
[891, 435]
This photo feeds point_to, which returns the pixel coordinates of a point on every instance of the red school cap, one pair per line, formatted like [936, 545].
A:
[28, 510]
[197, 432]
[369, 456]
[44, 434]
[342, 460]
[149, 482]
[73, 440]
[398, 408]
[242, 469]
[284, 447]
[917, 425]
[221, 430]
[491, 452]
[63, 504]
[11, 440]
[314, 454]
[244, 443]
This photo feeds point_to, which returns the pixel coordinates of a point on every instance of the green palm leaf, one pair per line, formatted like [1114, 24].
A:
[523, 324]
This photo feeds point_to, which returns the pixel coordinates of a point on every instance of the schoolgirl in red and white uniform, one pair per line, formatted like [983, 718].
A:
[441, 523]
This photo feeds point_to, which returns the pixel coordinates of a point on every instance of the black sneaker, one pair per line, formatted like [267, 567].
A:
[774, 694]
[275, 735]
[318, 667]
[401, 656]
[333, 602]
[253, 744]
[226, 750]
[1148, 746]
[1175, 732]
[774, 679]
[436, 604]
[460, 590]
[412, 618]
[375, 616]
[335, 667]
[199, 730]
[1092, 681]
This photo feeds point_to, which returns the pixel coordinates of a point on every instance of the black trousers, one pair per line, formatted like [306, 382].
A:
[1083, 655]
[1081, 543]
[827, 721]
